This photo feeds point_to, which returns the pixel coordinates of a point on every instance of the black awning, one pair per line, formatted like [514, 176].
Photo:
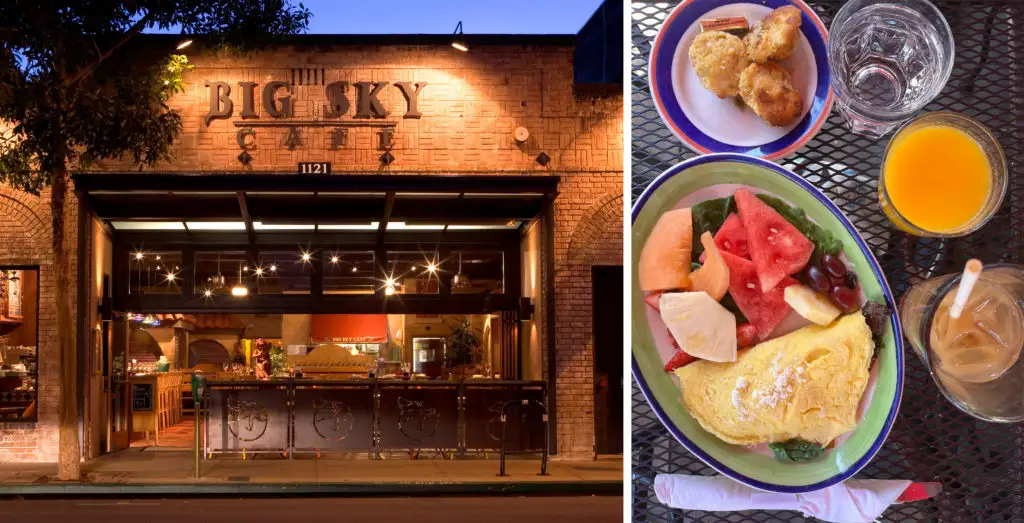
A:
[283, 199]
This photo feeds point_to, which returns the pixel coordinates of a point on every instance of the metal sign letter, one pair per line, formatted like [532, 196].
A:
[368, 106]
[337, 101]
[412, 97]
[269, 104]
[220, 101]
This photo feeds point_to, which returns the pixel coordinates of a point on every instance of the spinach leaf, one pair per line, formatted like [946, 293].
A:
[796, 450]
[708, 216]
[823, 240]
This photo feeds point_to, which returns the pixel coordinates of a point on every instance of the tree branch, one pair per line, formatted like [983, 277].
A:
[88, 69]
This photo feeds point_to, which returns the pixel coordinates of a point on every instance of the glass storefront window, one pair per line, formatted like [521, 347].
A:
[154, 272]
[217, 273]
[477, 272]
[284, 272]
[412, 272]
[349, 272]
[19, 334]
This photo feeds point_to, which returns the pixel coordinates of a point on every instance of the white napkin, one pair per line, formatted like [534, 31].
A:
[854, 501]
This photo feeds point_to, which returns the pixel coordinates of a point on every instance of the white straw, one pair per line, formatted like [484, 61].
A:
[971, 272]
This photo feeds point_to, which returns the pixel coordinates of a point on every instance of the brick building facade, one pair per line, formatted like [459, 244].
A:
[470, 104]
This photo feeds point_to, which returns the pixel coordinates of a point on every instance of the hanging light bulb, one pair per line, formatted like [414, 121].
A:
[273, 268]
[460, 280]
[239, 289]
[432, 267]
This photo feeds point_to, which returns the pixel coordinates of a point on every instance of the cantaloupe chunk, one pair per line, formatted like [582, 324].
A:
[713, 276]
[665, 257]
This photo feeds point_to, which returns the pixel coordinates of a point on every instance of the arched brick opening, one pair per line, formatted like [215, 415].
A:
[595, 239]
[24, 240]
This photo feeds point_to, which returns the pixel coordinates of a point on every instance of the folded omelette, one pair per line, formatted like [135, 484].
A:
[806, 384]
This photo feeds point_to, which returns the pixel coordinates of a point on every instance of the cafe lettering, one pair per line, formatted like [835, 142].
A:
[365, 95]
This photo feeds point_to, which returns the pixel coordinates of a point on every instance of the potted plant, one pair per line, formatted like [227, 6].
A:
[462, 348]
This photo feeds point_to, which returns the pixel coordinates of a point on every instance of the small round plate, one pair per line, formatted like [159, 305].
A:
[708, 124]
[717, 175]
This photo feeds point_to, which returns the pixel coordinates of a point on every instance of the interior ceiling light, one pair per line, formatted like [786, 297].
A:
[305, 256]
[432, 267]
[239, 289]
[334, 259]
[207, 293]
[273, 268]
[389, 291]
[138, 256]
[460, 280]
[259, 271]
[458, 42]
[355, 269]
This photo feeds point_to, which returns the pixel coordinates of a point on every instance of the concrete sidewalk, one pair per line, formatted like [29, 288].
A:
[134, 471]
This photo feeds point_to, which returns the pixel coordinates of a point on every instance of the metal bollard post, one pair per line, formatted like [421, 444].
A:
[198, 391]
[501, 469]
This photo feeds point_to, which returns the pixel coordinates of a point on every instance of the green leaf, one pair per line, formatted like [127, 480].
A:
[795, 450]
[708, 216]
[823, 240]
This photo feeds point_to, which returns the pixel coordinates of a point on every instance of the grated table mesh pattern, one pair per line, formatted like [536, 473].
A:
[980, 465]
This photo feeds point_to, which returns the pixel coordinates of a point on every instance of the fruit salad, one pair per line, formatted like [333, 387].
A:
[724, 274]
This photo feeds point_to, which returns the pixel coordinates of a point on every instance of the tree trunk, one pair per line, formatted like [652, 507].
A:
[69, 452]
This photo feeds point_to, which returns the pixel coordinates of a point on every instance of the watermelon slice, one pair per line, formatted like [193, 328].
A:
[765, 310]
[777, 248]
[732, 237]
[746, 335]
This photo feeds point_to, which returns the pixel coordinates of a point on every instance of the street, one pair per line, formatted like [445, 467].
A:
[314, 510]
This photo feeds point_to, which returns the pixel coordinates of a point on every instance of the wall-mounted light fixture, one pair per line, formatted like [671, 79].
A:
[525, 309]
[184, 44]
[459, 43]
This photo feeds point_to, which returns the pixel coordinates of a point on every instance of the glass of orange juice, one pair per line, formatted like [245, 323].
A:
[943, 175]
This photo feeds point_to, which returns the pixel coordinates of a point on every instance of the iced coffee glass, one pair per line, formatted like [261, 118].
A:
[974, 359]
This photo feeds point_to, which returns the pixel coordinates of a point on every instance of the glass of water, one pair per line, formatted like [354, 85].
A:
[888, 59]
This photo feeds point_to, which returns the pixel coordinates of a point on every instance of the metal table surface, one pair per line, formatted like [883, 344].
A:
[980, 465]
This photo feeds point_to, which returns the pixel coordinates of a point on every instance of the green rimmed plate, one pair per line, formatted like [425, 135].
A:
[715, 175]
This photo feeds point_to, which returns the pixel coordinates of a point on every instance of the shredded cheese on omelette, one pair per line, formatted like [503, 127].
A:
[806, 384]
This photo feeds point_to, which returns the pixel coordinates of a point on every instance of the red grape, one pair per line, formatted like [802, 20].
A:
[817, 279]
[833, 266]
[845, 298]
[851, 280]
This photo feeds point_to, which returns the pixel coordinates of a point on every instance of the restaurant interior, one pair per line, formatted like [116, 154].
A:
[424, 288]
[19, 316]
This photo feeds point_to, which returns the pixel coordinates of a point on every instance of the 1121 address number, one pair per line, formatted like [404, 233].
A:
[314, 167]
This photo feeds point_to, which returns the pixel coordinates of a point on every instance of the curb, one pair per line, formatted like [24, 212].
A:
[534, 488]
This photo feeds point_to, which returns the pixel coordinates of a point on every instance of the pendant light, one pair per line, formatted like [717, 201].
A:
[218, 281]
[239, 289]
[460, 280]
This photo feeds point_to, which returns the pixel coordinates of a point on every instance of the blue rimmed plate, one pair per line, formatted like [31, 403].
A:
[717, 175]
[708, 124]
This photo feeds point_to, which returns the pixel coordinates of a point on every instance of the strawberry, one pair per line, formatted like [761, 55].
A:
[746, 335]
[653, 299]
[681, 358]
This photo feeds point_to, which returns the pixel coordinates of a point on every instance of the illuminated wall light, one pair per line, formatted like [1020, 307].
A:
[458, 42]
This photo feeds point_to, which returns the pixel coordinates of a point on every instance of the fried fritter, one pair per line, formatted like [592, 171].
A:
[768, 90]
[775, 37]
[719, 58]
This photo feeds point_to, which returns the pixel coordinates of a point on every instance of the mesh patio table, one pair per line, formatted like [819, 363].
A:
[980, 465]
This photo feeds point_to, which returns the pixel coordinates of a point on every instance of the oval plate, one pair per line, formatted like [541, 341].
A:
[852, 451]
[708, 124]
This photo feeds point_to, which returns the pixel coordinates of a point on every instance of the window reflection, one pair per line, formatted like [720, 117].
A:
[221, 271]
[412, 272]
[284, 272]
[155, 272]
[349, 272]
[477, 272]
